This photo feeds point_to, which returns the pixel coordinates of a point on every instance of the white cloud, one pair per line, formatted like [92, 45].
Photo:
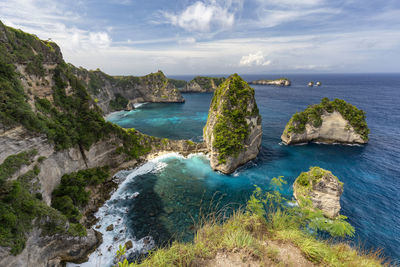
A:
[256, 59]
[100, 39]
[271, 13]
[49, 19]
[204, 16]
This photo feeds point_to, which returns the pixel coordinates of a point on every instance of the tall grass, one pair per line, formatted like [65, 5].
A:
[247, 231]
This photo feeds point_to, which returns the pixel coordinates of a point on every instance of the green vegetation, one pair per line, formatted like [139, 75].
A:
[71, 119]
[14, 162]
[95, 82]
[19, 207]
[35, 66]
[13, 106]
[232, 98]
[71, 194]
[266, 219]
[312, 114]
[119, 103]
[207, 82]
[178, 83]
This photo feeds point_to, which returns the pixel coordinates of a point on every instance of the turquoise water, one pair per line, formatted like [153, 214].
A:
[172, 197]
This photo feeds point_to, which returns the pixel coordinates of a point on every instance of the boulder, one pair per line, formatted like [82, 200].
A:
[128, 245]
[322, 188]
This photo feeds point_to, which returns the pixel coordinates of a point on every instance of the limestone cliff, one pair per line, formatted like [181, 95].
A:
[233, 131]
[202, 84]
[322, 188]
[329, 122]
[121, 92]
[276, 82]
[48, 114]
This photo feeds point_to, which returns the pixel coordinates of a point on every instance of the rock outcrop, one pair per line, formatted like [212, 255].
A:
[233, 131]
[202, 84]
[276, 82]
[47, 109]
[52, 250]
[121, 92]
[322, 188]
[328, 122]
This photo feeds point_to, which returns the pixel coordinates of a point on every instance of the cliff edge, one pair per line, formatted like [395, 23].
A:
[233, 131]
[330, 122]
[121, 92]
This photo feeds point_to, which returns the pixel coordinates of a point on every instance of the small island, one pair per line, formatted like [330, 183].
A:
[319, 189]
[329, 122]
[233, 130]
[276, 82]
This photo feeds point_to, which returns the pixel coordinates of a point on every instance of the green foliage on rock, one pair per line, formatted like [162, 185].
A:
[14, 109]
[19, 207]
[207, 82]
[72, 118]
[14, 162]
[312, 114]
[95, 82]
[231, 99]
[178, 83]
[71, 194]
[35, 67]
[119, 103]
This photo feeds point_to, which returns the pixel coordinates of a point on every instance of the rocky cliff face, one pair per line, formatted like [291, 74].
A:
[57, 163]
[155, 87]
[52, 251]
[202, 85]
[322, 188]
[329, 122]
[233, 131]
[46, 108]
[277, 82]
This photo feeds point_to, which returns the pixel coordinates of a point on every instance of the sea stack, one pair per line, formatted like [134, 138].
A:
[328, 122]
[322, 188]
[233, 130]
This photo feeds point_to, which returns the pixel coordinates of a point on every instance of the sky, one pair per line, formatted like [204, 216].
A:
[132, 37]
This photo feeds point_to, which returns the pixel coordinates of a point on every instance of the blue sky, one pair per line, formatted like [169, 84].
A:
[217, 37]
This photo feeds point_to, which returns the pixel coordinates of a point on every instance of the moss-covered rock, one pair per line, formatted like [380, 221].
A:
[330, 121]
[121, 92]
[202, 84]
[233, 130]
[319, 189]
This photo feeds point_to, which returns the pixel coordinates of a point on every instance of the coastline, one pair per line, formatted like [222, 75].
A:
[96, 216]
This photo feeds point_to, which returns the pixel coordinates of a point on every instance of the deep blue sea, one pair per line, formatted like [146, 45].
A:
[174, 190]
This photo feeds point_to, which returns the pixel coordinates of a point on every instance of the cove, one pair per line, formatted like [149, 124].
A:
[174, 191]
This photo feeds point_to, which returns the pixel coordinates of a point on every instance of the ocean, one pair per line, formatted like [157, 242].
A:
[162, 200]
